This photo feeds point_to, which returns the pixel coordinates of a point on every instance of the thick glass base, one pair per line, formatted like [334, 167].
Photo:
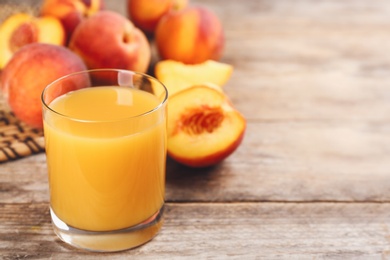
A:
[108, 241]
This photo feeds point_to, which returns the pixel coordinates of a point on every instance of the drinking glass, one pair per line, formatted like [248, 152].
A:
[105, 139]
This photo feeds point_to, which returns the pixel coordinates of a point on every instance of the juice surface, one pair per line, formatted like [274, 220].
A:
[108, 174]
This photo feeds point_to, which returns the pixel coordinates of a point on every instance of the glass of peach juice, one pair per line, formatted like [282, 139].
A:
[105, 138]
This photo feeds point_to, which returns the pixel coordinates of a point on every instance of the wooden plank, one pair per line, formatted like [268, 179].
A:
[313, 87]
[296, 161]
[312, 79]
[297, 62]
[308, 61]
[222, 231]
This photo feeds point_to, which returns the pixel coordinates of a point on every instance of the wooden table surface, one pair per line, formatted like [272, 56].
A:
[311, 179]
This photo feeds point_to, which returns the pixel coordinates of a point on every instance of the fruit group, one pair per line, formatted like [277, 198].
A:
[192, 35]
[21, 29]
[177, 76]
[71, 12]
[203, 127]
[109, 40]
[29, 71]
[146, 14]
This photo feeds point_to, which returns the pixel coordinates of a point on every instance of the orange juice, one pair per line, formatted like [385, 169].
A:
[105, 161]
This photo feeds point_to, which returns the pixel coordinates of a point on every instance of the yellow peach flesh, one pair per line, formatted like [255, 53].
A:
[6, 30]
[21, 29]
[177, 76]
[51, 30]
[203, 128]
[70, 12]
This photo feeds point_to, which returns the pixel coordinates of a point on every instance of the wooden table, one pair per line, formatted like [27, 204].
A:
[311, 179]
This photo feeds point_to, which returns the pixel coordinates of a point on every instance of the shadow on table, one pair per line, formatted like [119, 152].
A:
[191, 184]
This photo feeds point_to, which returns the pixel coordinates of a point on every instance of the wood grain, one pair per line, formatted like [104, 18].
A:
[220, 231]
[276, 162]
[311, 179]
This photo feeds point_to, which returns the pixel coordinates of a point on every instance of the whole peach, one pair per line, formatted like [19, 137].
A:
[29, 71]
[192, 35]
[71, 12]
[145, 14]
[110, 40]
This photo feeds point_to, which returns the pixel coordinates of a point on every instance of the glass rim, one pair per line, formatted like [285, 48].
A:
[155, 109]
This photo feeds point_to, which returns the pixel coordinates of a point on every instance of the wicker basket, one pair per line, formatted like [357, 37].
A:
[17, 140]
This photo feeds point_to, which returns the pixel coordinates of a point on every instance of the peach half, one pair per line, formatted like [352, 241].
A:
[21, 28]
[203, 127]
[109, 40]
[177, 76]
[29, 71]
[146, 14]
[71, 12]
[191, 35]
